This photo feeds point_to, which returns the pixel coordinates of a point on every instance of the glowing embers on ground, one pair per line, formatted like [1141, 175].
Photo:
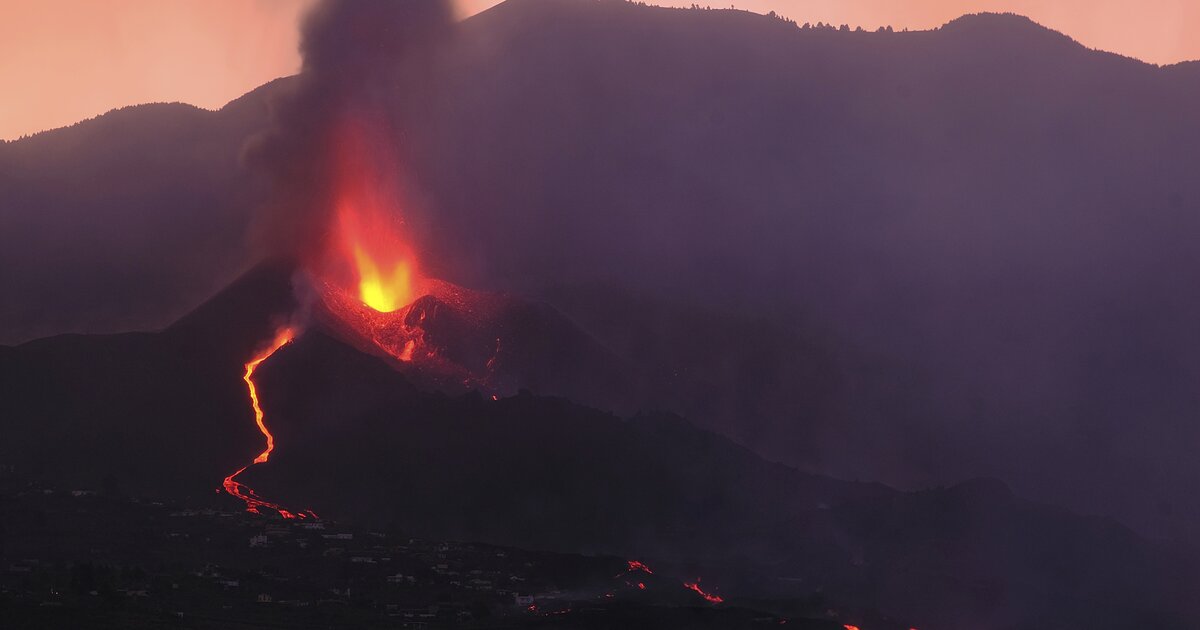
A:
[448, 337]
[710, 597]
[637, 566]
[255, 503]
[388, 332]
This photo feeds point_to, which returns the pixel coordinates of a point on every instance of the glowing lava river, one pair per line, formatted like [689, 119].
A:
[255, 503]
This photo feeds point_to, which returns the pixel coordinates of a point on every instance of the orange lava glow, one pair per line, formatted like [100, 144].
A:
[367, 273]
[282, 338]
[849, 627]
[710, 597]
[370, 254]
[635, 565]
[255, 503]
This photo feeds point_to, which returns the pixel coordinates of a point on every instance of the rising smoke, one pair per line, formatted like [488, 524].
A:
[357, 55]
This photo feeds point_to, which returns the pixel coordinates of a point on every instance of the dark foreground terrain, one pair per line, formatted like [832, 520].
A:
[98, 559]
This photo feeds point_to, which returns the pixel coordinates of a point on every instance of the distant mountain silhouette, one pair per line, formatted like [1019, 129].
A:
[126, 220]
[977, 239]
[166, 414]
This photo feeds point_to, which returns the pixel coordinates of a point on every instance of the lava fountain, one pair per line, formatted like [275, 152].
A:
[367, 241]
[372, 292]
[367, 273]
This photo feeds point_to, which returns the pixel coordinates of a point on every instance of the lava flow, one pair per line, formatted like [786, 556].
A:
[635, 566]
[695, 586]
[255, 503]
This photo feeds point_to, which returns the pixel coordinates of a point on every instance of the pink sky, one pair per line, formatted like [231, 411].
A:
[65, 60]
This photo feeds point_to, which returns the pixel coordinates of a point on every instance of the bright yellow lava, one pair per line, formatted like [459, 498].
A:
[383, 291]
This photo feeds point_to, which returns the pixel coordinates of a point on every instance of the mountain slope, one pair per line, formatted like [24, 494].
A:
[989, 226]
[166, 414]
[124, 221]
[157, 413]
[992, 222]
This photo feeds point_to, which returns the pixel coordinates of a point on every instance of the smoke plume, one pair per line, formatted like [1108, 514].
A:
[356, 56]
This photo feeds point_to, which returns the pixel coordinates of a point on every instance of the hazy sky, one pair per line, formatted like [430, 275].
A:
[65, 60]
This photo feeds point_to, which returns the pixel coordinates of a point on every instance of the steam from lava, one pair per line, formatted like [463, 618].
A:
[337, 185]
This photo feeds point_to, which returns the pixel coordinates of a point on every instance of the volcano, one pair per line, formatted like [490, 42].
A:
[362, 436]
[867, 248]
[367, 374]
[457, 340]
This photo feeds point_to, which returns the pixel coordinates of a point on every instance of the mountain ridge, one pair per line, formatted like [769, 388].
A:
[991, 248]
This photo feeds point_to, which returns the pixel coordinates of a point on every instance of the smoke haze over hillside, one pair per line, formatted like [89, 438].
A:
[72, 59]
[983, 233]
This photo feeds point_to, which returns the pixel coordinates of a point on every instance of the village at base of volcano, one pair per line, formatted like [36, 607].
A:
[600, 314]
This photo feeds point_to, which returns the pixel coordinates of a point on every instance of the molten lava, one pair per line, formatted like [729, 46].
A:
[695, 586]
[368, 254]
[282, 338]
[254, 502]
[635, 565]
[385, 276]
[366, 272]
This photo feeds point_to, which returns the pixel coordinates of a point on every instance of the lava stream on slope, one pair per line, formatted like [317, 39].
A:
[254, 502]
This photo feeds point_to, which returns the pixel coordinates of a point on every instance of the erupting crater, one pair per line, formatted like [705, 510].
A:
[369, 293]
[372, 293]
